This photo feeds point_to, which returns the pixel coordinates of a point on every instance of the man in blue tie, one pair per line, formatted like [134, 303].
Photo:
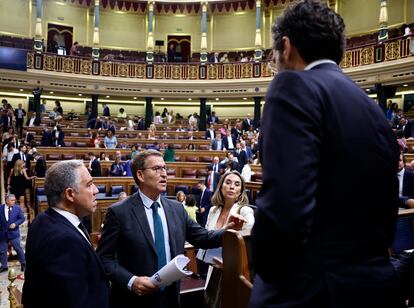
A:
[144, 232]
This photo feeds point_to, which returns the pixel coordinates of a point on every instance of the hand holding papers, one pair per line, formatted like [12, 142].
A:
[171, 272]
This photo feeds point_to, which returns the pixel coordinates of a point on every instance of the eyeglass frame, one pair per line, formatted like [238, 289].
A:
[156, 169]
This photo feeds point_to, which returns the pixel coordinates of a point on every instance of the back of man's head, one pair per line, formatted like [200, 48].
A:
[315, 30]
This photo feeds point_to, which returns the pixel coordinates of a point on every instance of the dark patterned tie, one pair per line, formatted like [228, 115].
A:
[85, 231]
[159, 236]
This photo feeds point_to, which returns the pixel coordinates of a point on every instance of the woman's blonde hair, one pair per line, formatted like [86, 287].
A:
[218, 199]
[18, 167]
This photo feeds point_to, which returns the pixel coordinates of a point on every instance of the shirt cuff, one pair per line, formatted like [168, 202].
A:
[130, 282]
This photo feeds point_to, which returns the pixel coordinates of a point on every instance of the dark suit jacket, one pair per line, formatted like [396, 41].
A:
[16, 217]
[210, 119]
[204, 202]
[215, 147]
[47, 139]
[60, 140]
[328, 166]
[408, 187]
[17, 156]
[36, 121]
[59, 257]
[96, 168]
[216, 178]
[127, 248]
[245, 124]
[207, 134]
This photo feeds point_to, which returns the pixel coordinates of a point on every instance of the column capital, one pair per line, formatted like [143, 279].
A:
[258, 3]
[96, 2]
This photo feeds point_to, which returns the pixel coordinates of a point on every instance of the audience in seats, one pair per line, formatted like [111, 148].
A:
[210, 133]
[117, 167]
[217, 143]
[110, 140]
[169, 153]
[229, 199]
[228, 141]
[58, 136]
[103, 157]
[127, 238]
[11, 217]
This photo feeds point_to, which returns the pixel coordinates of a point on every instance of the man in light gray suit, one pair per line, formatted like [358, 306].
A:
[144, 232]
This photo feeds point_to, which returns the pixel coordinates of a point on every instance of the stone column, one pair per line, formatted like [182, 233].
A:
[383, 22]
[148, 111]
[150, 41]
[203, 53]
[38, 43]
[202, 122]
[257, 111]
[95, 48]
[258, 40]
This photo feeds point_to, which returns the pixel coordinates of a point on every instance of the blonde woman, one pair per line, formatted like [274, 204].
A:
[18, 182]
[229, 198]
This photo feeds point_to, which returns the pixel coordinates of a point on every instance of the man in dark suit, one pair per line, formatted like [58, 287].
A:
[105, 110]
[144, 232]
[204, 203]
[47, 138]
[247, 122]
[19, 114]
[11, 217]
[171, 53]
[33, 120]
[217, 143]
[330, 192]
[212, 119]
[215, 58]
[94, 165]
[210, 133]
[212, 178]
[23, 156]
[58, 248]
[215, 164]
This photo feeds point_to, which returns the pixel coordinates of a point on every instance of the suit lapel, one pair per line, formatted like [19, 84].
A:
[71, 227]
[169, 214]
[139, 213]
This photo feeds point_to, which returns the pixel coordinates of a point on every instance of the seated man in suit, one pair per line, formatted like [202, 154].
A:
[11, 217]
[58, 248]
[143, 233]
[215, 165]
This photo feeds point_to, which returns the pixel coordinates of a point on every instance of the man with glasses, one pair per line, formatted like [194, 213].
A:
[144, 232]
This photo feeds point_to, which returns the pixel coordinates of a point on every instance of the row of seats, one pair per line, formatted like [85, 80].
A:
[16, 42]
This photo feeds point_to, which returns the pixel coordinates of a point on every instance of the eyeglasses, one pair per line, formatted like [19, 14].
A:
[157, 169]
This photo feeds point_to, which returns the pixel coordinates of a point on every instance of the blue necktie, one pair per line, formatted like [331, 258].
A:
[159, 236]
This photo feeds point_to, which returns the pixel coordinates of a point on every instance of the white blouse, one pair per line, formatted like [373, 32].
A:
[245, 211]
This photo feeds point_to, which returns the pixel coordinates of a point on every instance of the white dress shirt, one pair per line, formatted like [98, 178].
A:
[73, 219]
[400, 180]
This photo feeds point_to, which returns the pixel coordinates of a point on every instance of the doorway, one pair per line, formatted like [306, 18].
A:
[182, 47]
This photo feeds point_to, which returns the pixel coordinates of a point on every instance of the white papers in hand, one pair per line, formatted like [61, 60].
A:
[173, 271]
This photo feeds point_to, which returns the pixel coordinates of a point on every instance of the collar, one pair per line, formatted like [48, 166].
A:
[73, 219]
[148, 201]
[401, 173]
[318, 62]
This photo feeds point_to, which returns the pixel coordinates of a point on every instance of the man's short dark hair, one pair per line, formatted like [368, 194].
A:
[315, 30]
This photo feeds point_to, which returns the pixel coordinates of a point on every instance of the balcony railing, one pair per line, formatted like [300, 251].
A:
[390, 50]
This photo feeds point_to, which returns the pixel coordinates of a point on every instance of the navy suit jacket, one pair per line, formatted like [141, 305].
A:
[60, 258]
[127, 248]
[204, 202]
[16, 217]
[329, 195]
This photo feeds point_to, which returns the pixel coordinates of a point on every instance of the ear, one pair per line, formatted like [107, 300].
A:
[140, 175]
[287, 48]
[70, 194]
